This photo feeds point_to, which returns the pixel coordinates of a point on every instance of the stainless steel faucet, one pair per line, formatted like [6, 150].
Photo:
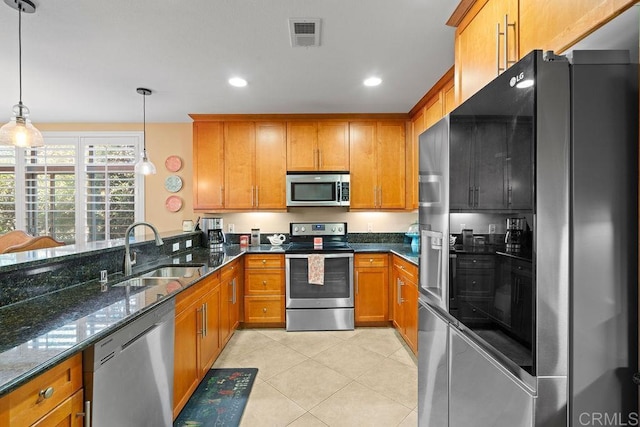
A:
[128, 262]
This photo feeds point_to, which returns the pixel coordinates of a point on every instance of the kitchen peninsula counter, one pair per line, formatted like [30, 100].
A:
[39, 332]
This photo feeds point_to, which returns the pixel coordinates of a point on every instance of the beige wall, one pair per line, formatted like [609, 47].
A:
[166, 139]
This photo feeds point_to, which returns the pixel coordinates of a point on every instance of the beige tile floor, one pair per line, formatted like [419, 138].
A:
[365, 377]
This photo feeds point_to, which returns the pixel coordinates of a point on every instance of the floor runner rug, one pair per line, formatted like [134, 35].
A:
[219, 400]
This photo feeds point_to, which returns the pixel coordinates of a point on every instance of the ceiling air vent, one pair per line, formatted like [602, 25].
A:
[305, 32]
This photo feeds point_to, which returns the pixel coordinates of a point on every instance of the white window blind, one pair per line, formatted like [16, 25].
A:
[79, 187]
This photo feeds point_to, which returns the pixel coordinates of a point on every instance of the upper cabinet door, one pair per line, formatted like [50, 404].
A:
[486, 44]
[239, 156]
[333, 146]
[364, 180]
[557, 25]
[208, 161]
[271, 165]
[391, 165]
[302, 142]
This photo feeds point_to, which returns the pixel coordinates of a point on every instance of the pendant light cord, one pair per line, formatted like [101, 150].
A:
[144, 123]
[20, 51]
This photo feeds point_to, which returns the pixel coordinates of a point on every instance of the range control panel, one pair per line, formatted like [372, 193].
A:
[318, 228]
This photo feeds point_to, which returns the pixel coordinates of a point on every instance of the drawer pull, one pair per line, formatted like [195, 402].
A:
[264, 282]
[45, 394]
[264, 309]
[370, 259]
[264, 261]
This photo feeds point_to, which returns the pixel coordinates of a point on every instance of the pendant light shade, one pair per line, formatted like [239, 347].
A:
[144, 166]
[19, 132]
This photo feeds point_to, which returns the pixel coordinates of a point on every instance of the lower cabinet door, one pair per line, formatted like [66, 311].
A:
[69, 413]
[481, 393]
[185, 359]
[210, 335]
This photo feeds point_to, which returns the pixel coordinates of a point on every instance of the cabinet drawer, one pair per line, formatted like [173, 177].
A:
[371, 260]
[65, 414]
[471, 261]
[264, 282]
[405, 269]
[264, 261]
[229, 269]
[63, 380]
[259, 309]
[475, 282]
[191, 295]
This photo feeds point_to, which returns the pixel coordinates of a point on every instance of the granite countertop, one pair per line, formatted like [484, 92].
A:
[38, 333]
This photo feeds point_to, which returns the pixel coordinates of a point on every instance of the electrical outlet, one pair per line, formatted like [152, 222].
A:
[492, 228]
[231, 228]
[189, 257]
[187, 244]
[176, 246]
[176, 260]
[103, 276]
[369, 227]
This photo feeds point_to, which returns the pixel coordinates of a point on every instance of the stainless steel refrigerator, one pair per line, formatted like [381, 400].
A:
[528, 252]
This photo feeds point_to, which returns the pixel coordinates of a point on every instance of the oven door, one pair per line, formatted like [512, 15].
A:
[337, 291]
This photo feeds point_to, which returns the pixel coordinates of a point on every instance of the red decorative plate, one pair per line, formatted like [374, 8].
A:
[173, 203]
[173, 163]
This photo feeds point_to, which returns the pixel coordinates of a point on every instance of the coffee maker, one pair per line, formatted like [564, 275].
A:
[213, 233]
[515, 238]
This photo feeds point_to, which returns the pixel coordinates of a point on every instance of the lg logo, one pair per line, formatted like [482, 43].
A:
[516, 79]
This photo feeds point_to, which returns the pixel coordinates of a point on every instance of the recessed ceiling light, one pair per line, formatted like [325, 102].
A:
[237, 82]
[372, 81]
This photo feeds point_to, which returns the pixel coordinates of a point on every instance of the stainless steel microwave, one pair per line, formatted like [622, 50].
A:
[318, 189]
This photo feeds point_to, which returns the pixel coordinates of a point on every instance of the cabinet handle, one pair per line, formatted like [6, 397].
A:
[205, 318]
[498, 34]
[257, 196]
[45, 394]
[319, 159]
[399, 285]
[264, 309]
[233, 290]
[509, 196]
[201, 311]
[506, 41]
[264, 261]
[264, 283]
[476, 196]
[375, 197]
[357, 284]
[470, 196]
[221, 196]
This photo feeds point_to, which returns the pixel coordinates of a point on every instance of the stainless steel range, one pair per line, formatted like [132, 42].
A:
[319, 277]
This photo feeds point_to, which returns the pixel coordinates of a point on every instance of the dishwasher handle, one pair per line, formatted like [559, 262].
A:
[140, 335]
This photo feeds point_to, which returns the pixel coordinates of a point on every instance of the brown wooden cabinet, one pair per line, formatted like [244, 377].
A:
[378, 165]
[264, 289]
[371, 288]
[230, 298]
[53, 398]
[197, 337]
[557, 25]
[239, 165]
[486, 43]
[405, 300]
[318, 146]
[255, 172]
[208, 169]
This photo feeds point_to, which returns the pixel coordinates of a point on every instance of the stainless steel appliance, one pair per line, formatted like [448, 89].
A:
[319, 307]
[213, 229]
[515, 236]
[129, 374]
[540, 330]
[318, 189]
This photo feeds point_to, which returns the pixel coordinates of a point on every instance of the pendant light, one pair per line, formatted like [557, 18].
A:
[19, 131]
[144, 166]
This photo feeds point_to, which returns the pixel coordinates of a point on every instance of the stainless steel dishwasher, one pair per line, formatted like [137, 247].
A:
[129, 374]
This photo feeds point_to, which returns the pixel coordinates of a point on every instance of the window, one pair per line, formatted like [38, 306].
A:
[79, 187]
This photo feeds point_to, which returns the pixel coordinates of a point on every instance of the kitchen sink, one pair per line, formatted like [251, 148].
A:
[175, 272]
[163, 275]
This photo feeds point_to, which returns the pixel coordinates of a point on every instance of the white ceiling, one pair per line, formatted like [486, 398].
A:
[83, 60]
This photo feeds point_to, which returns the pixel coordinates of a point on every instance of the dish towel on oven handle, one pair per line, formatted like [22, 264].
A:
[316, 269]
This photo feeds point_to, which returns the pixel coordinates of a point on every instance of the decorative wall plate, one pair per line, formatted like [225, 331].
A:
[173, 203]
[173, 183]
[173, 163]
